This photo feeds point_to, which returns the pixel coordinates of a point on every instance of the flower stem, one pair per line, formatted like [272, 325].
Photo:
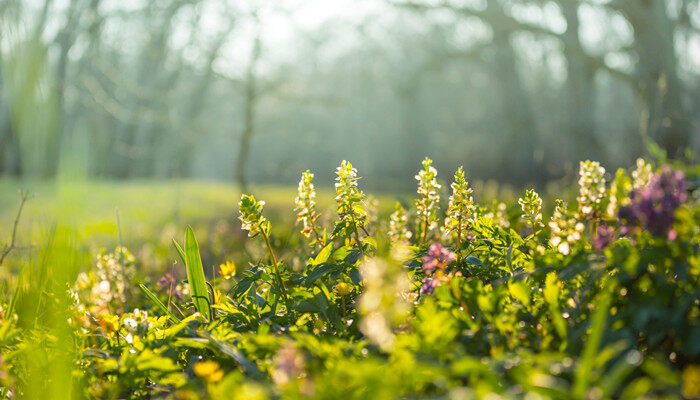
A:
[274, 263]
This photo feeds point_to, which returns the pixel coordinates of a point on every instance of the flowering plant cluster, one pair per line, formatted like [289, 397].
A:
[601, 302]
[531, 205]
[306, 204]
[591, 186]
[252, 219]
[460, 210]
[350, 201]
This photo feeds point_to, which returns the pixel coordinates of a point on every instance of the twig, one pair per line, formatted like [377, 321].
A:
[8, 248]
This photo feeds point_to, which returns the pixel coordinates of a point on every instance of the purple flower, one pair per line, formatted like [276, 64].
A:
[167, 283]
[653, 207]
[604, 235]
[429, 285]
[438, 257]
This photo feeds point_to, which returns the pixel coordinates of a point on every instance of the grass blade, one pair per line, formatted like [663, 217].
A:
[590, 349]
[159, 303]
[195, 274]
[179, 251]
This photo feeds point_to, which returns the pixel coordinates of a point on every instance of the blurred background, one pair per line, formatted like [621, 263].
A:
[254, 91]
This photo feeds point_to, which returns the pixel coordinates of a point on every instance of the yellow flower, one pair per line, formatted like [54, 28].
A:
[691, 382]
[342, 289]
[208, 371]
[217, 296]
[109, 324]
[228, 269]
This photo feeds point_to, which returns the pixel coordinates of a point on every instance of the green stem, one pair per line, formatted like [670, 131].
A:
[425, 229]
[274, 263]
[357, 234]
[459, 240]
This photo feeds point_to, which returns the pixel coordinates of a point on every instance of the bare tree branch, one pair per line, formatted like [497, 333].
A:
[11, 246]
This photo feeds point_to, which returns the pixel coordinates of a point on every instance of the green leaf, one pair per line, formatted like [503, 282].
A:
[473, 260]
[195, 274]
[179, 251]
[520, 292]
[314, 275]
[551, 296]
[509, 257]
[370, 241]
[355, 276]
[158, 303]
[323, 255]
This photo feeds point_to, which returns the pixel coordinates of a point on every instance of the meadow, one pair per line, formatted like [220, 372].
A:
[188, 290]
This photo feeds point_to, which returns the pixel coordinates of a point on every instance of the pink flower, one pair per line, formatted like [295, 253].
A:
[438, 256]
[603, 236]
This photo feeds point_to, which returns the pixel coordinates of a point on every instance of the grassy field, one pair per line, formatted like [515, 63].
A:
[151, 214]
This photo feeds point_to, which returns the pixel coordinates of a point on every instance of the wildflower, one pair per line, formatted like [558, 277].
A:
[251, 216]
[350, 200]
[398, 221]
[428, 203]
[130, 324]
[168, 284]
[461, 209]
[109, 324]
[642, 174]
[438, 256]
[565, 229]
[591, 184]
[227, 269]
[137, 322]
[653, 207]
[691, 382]
[531, 205]
[429, 284]
[289, 365]
[604, 235]
[208, 371]
[306, 204]
[342, 289]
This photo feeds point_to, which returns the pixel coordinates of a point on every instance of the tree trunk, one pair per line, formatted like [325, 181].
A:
[251, 98]
[65, 40]
[668, 119]
[580, 96]
[10, 155]
[520, 164]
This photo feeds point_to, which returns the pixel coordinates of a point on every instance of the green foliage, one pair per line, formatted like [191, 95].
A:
[372, 317]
